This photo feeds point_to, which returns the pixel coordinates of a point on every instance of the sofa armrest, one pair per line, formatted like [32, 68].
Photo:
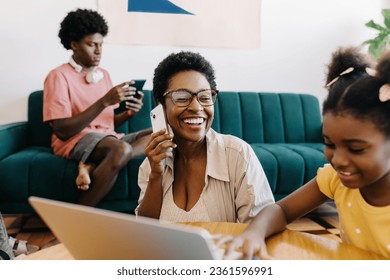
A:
[13, 138]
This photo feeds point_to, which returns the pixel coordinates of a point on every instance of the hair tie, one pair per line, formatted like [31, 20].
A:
[384, 93]
[349, 70]
[371, 72]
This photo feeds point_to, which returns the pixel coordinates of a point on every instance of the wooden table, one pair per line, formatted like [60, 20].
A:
[285, 245]
[295, 245]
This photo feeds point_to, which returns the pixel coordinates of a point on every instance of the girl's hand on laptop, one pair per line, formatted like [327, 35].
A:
[248, 243]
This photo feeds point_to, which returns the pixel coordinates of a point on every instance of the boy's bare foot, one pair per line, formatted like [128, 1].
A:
[83, 180]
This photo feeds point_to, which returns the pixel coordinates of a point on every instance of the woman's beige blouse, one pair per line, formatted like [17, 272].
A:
[236, 187]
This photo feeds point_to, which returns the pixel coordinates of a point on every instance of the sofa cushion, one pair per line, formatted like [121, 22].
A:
[36, 171]
[13, 138]
[39, 133]
[289, 166]
[268, 117]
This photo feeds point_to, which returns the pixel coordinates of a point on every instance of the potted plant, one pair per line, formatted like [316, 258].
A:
[378, 45]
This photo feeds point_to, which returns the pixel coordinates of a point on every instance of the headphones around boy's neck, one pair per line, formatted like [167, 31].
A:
[92, 77]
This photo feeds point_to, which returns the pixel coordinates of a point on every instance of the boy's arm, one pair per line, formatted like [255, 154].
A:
[68, 127]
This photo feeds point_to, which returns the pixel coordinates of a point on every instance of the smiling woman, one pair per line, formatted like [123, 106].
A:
[208, 176]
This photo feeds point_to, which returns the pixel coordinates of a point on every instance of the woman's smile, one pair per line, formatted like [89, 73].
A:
[194, 122]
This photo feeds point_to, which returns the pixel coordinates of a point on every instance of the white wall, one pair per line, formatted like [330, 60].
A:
[296, 42]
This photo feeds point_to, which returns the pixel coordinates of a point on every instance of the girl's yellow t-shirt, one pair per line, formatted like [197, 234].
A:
[361, 224]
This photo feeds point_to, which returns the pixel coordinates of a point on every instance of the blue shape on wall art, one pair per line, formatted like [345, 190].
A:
[155, 6]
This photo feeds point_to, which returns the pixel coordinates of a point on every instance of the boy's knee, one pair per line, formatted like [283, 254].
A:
[122, 152]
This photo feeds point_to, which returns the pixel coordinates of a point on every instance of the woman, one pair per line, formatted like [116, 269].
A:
[195, 173]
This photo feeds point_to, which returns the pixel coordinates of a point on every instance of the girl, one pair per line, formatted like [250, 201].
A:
[356, 132]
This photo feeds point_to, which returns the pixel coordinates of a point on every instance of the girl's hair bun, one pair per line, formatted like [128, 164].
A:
[383, 68]
[344, 58]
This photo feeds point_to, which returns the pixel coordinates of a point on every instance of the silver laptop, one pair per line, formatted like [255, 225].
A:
[92, 234]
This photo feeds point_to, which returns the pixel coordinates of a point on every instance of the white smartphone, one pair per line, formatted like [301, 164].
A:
[157, 117]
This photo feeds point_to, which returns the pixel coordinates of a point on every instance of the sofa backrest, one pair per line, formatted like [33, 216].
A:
[39, 133]
[259, 117]
[255, 117]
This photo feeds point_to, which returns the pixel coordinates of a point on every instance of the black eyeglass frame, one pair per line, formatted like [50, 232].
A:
[214, 94]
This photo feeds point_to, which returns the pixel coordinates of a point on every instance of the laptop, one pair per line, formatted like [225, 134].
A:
[96, 234]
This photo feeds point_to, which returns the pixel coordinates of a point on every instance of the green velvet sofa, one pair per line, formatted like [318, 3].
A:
[284, 130]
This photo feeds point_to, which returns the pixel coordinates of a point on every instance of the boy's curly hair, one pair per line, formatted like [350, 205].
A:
[80, 23]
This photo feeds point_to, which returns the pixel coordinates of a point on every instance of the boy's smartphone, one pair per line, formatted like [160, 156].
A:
[157, 117]
[138, 84]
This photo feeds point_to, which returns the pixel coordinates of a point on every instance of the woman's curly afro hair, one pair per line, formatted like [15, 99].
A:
[80, 23]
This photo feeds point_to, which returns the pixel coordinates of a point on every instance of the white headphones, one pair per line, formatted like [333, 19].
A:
[92, 77]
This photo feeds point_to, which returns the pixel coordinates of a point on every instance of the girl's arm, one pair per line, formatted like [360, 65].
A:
[302, 201]
[274, 218]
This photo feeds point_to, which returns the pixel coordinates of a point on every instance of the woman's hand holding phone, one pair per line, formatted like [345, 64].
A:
[161, 144]
[158, 149]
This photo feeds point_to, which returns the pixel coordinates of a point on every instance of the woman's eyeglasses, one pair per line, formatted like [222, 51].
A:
[183, 97]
